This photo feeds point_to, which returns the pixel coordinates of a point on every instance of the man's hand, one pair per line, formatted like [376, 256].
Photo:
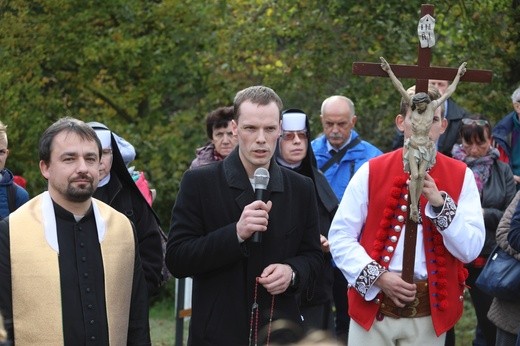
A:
[384, 64]
[254, 218]
[395, 288]
[325, 246]
[431, 192]
[462, 69]
[276, 278]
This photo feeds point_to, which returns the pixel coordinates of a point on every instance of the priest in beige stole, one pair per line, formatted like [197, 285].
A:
[69, 270]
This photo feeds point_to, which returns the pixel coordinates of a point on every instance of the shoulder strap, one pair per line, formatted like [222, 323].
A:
[339, 155]
[11, 197]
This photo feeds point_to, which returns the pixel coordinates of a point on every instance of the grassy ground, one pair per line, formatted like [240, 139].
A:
[465, 328]
[162, 324]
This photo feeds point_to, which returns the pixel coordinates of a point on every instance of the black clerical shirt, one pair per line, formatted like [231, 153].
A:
[82, 284]
[82, 293]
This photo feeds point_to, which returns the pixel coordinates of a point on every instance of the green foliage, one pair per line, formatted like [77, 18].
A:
[151, 70]
[162, 323]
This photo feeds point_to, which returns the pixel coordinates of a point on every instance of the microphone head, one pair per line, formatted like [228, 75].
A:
[261, 178]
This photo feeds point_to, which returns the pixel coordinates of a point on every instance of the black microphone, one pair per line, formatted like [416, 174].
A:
[261, 179]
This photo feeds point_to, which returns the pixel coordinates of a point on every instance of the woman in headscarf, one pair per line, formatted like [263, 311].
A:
[295, 152]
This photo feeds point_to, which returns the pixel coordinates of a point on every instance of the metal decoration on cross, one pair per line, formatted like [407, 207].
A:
[422, 72]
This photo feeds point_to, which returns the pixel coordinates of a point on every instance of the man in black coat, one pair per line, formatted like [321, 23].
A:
[240, 285]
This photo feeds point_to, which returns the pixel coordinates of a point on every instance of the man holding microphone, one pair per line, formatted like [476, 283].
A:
[241, 286]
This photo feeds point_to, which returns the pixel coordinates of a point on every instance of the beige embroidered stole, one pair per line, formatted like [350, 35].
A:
[37, 313]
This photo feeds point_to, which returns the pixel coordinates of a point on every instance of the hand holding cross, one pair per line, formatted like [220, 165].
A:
[421, 72]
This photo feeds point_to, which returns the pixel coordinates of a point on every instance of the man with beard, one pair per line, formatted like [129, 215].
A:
[69, 270]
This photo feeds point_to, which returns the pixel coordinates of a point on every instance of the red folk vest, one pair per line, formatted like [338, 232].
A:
[446, 274]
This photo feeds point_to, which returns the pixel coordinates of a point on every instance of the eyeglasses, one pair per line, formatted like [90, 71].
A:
[478, 122]
[289, 135]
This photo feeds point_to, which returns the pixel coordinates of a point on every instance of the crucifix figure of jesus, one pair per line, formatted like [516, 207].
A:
[419, 150]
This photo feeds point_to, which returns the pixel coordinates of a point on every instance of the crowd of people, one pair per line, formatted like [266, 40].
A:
[283, 233]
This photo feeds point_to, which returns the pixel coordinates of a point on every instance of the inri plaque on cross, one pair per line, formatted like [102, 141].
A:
[422, 72]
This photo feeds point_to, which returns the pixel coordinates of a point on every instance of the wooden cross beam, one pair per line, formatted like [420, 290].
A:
[422, 72]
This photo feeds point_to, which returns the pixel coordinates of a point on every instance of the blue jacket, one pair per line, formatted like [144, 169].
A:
[504, 133]
[21, 195]
[339, 174]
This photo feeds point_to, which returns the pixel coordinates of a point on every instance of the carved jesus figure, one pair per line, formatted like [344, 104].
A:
[419, 150]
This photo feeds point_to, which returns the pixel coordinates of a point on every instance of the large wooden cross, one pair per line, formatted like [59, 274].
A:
[422, 72]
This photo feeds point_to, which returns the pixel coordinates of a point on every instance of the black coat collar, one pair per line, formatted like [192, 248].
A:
[236, 177]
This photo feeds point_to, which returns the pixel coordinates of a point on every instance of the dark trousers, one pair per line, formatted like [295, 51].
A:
[450, 337]
[505, 338]
[339, 293]
[318, 317]
[481, 303]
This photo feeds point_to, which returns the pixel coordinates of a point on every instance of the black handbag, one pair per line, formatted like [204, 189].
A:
[500, 277]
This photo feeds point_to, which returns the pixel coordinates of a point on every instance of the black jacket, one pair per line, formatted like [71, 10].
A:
[122, 194]
[451, 136]
[497, 193]
[203, 244]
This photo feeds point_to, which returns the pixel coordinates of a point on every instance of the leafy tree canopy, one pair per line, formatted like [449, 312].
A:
[152, 70]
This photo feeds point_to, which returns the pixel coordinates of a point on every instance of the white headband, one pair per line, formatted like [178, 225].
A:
[293, 122]
[105, 138]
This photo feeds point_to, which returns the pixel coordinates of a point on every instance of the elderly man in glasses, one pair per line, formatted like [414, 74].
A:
[339, 154]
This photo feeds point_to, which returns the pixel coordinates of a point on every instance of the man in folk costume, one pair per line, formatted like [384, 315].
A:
[69, 270]
[367, 239]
